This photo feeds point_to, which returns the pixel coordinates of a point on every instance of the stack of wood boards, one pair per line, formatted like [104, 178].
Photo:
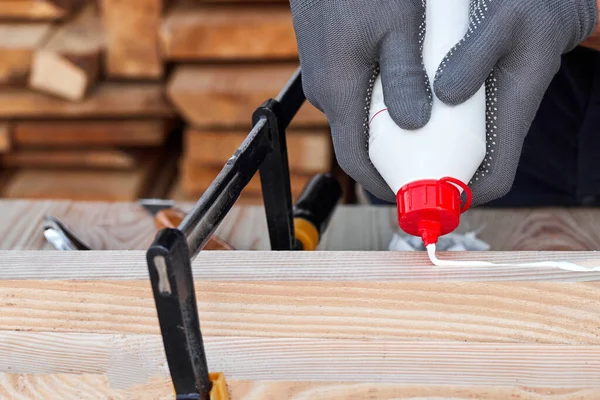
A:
[91, 91]
[230, 59]
[315, 326]
[71, 128]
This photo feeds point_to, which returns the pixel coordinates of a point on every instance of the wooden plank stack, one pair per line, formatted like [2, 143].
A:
[230, 58]
[90, 91]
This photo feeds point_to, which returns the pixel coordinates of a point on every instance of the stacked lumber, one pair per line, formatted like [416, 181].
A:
[230, 58]
[71, 128]
[90, 91]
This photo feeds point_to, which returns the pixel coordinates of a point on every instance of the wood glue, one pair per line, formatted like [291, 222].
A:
[429, 168]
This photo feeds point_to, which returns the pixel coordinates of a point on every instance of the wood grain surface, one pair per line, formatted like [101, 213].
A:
[108, 100]
[37, 9]
[131, 28]
[533, 312]
[107, 159]
[229, 94]
[365, 228]
[309, 151]
[82, 184]
[129, 360]
[321, 266]
[6, 139]
[197, 177]
[18, 43]
[101, 225]
[69, 62]
[97, 386]
[90, 133]
[194, 31]
[299, 325]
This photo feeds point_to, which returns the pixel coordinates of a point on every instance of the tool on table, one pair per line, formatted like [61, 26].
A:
[167, 215]
[60, 236]
[291, 227]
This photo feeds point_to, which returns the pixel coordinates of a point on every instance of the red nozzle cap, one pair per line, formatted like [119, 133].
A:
[431, 208]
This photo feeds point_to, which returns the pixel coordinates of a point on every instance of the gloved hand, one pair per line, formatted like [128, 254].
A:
[340, 42]
[520, 42]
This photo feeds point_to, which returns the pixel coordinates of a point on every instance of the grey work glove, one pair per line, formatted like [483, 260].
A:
[340, 43]
[515, 46]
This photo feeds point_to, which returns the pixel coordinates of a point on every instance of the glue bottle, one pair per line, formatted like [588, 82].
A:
[429, 168]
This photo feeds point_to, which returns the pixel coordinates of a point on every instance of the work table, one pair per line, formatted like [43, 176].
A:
[291, 325]
[127, 226]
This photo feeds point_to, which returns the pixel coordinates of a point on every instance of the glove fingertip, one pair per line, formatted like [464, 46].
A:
[411, 115]
[451, 89]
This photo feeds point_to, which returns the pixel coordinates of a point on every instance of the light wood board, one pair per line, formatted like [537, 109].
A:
[131, 28]
[95, 386]
[129, 360]
[107, 100]
[306, 325]
[309, 151]
[107, 159]
[81, 184]
[90, 133]
[200, 32]
[37, 9]
[69, 62]
[229, 94]
[18, 44]
[364, 228]
[5, 137]
[197, 177]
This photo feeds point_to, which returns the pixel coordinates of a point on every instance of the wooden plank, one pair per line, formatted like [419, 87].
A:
[365, 228]
[5, 137]
[103, 226]
[492, 312]
[69, 63]
[91, 133]
[132, 27]
[128, 360]
[321, 266]
[50, 10]
[309, 151]
[240, 31]
[229, 94]
[108, 100]
[92, 386]
[108, 159]
[82, 185]
[18, 42]
[276, 390]
[180, 195]
[196, 178]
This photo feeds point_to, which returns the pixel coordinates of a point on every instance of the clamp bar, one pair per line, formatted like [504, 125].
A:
[170, 272]
[170, 256]
[221, 195]
[274, 172]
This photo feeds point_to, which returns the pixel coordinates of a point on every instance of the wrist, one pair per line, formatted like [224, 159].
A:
[593, 41]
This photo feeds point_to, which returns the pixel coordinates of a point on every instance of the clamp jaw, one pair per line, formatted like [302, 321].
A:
[291, 227]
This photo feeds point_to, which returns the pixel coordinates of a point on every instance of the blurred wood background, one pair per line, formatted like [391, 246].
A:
[113, 100]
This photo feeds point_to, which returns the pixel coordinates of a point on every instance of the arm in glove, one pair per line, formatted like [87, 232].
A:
[520, 42]
[340, 42]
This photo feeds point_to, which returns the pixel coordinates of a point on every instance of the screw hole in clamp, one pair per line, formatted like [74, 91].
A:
[464, 187]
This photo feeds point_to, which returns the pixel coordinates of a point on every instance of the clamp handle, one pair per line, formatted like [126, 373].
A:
[314, 208]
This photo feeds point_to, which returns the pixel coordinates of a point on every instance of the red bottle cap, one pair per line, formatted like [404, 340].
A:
[431, 208]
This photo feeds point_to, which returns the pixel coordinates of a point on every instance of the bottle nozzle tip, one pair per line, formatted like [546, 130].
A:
[429, 231]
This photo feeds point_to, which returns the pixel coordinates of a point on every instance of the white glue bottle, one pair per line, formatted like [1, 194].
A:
[429, 168]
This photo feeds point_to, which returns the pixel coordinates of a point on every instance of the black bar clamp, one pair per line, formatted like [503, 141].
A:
[170, 257]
